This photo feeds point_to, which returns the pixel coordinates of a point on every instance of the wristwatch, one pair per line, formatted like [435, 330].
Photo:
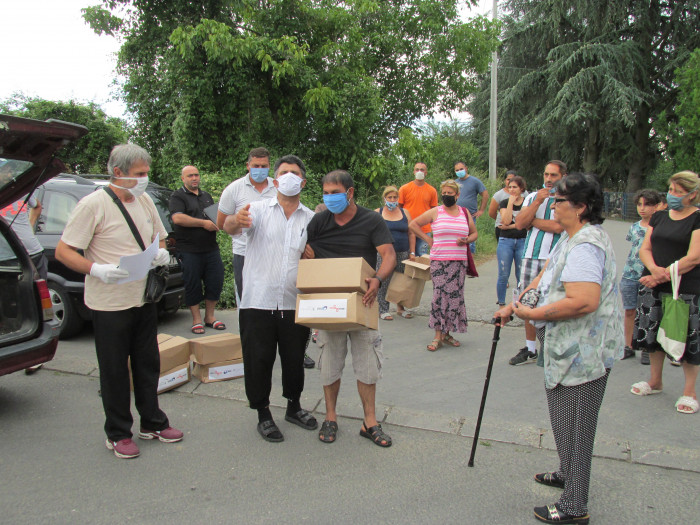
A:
[412, 253]
[381, 281]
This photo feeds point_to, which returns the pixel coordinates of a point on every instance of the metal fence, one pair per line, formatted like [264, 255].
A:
[620, 205]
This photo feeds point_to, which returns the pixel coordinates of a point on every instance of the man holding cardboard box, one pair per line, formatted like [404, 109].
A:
[348, 230]
[276, 238]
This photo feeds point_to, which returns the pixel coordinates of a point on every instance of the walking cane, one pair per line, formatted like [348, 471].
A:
[496, 334]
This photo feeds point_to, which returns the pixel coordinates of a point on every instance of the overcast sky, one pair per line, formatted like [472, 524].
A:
[47, 51]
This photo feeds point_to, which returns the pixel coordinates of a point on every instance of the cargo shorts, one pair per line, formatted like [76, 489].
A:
[366, 351]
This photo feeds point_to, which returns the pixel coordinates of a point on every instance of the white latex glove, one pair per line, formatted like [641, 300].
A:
[108, 273]
[162, 259]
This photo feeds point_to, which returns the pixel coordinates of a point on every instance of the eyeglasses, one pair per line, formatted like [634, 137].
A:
[557, 200]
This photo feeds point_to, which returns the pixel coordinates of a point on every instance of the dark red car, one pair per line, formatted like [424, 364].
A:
[28, 333]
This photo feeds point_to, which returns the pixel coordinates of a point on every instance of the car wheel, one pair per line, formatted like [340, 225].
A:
[70, 323]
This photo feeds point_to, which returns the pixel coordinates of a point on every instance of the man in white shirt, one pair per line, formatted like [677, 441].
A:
[256, 185]
[537, 215]
[276, 239]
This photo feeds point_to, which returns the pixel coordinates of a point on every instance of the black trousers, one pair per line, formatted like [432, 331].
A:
[262, 333]
[573, 411]
[120, 336]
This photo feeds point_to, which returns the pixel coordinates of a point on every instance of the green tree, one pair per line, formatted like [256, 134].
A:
[683, 121]
[586, 81]
[331, 81]
[90, 153]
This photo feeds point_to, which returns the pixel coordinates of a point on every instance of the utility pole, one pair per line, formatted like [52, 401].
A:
[494, 105]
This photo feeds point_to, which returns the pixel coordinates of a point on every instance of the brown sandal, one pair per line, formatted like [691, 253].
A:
[434, 345]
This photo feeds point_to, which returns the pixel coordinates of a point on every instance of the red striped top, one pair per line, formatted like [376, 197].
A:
[446, 231]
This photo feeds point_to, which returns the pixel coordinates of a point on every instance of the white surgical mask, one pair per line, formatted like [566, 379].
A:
[141, 184]
[419, 175]
[289, 184]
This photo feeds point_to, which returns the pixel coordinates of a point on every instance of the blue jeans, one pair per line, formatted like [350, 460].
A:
[508, 251]
[422, 247]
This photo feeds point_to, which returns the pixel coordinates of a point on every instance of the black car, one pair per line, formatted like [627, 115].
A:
[28, 331]
[58, 198]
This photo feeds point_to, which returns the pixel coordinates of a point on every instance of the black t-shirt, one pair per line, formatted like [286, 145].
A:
[512, 233]
[670, 241]
[192, 240]
[358, 238]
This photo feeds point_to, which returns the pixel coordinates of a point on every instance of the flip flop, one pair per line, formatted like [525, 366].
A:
[691, 405]
[216, 325]
[643, 389]
[198, 329]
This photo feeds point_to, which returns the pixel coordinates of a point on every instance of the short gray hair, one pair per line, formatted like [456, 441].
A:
[123, 156]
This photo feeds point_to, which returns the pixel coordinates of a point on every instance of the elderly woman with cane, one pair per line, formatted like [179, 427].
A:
[580, 309]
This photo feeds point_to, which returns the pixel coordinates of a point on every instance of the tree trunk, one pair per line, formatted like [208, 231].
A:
[638, 162]
[590, 149]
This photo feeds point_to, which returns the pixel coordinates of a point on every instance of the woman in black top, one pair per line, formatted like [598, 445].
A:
[672, 235]
[511, 241]
[397, 220]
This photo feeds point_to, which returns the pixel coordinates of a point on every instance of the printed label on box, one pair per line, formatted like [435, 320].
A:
[330, 308]
[218, 373]
[173, 379]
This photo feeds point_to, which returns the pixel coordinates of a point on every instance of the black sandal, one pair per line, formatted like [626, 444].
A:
[270, 432]
[376, 434]
[550, 478]
[328, 431]
[551, 514]
[303, 419]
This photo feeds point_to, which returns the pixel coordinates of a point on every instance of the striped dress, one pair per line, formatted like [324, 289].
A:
[448, 269]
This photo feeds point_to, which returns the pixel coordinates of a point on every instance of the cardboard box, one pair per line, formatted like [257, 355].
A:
[221, 371]
[418, 269]
[343, 275]
[405, 290]
[216, 348]
[336, 311]
[174, 351]
[174, 378]
[168, 379]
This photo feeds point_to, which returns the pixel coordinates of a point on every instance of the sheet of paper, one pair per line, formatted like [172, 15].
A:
[139, 264]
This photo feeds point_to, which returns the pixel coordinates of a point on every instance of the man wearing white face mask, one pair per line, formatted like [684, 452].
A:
[417, 197]
[256, 185]
[276, 239]
[125, 327]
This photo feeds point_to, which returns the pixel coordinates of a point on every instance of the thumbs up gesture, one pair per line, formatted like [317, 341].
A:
[243, 217]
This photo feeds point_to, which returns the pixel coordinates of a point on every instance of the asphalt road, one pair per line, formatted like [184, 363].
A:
[55, 468]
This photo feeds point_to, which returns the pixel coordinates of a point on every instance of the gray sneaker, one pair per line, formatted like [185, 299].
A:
[523, 357]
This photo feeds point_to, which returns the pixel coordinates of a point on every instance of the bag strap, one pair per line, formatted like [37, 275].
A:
[127, 217]
[675, 280]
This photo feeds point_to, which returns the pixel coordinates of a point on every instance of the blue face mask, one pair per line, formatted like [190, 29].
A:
[336, 202]
[461, 174]
[674, 203]
[391, 205]
[259, 174]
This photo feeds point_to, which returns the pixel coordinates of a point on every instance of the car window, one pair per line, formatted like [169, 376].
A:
[161, 198]
[8, 258]
[57, 208]
[10, 170]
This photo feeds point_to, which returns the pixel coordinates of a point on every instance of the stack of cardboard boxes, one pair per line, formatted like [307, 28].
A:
[217, 357]
[332, 291]
[213, 358]
[406, 288]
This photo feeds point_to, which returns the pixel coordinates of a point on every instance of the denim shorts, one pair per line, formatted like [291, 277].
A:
[629, 290]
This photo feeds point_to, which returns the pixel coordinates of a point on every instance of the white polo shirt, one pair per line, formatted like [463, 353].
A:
[236, 195]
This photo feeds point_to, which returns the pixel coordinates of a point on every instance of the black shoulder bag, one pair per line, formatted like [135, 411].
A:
[157, 278]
